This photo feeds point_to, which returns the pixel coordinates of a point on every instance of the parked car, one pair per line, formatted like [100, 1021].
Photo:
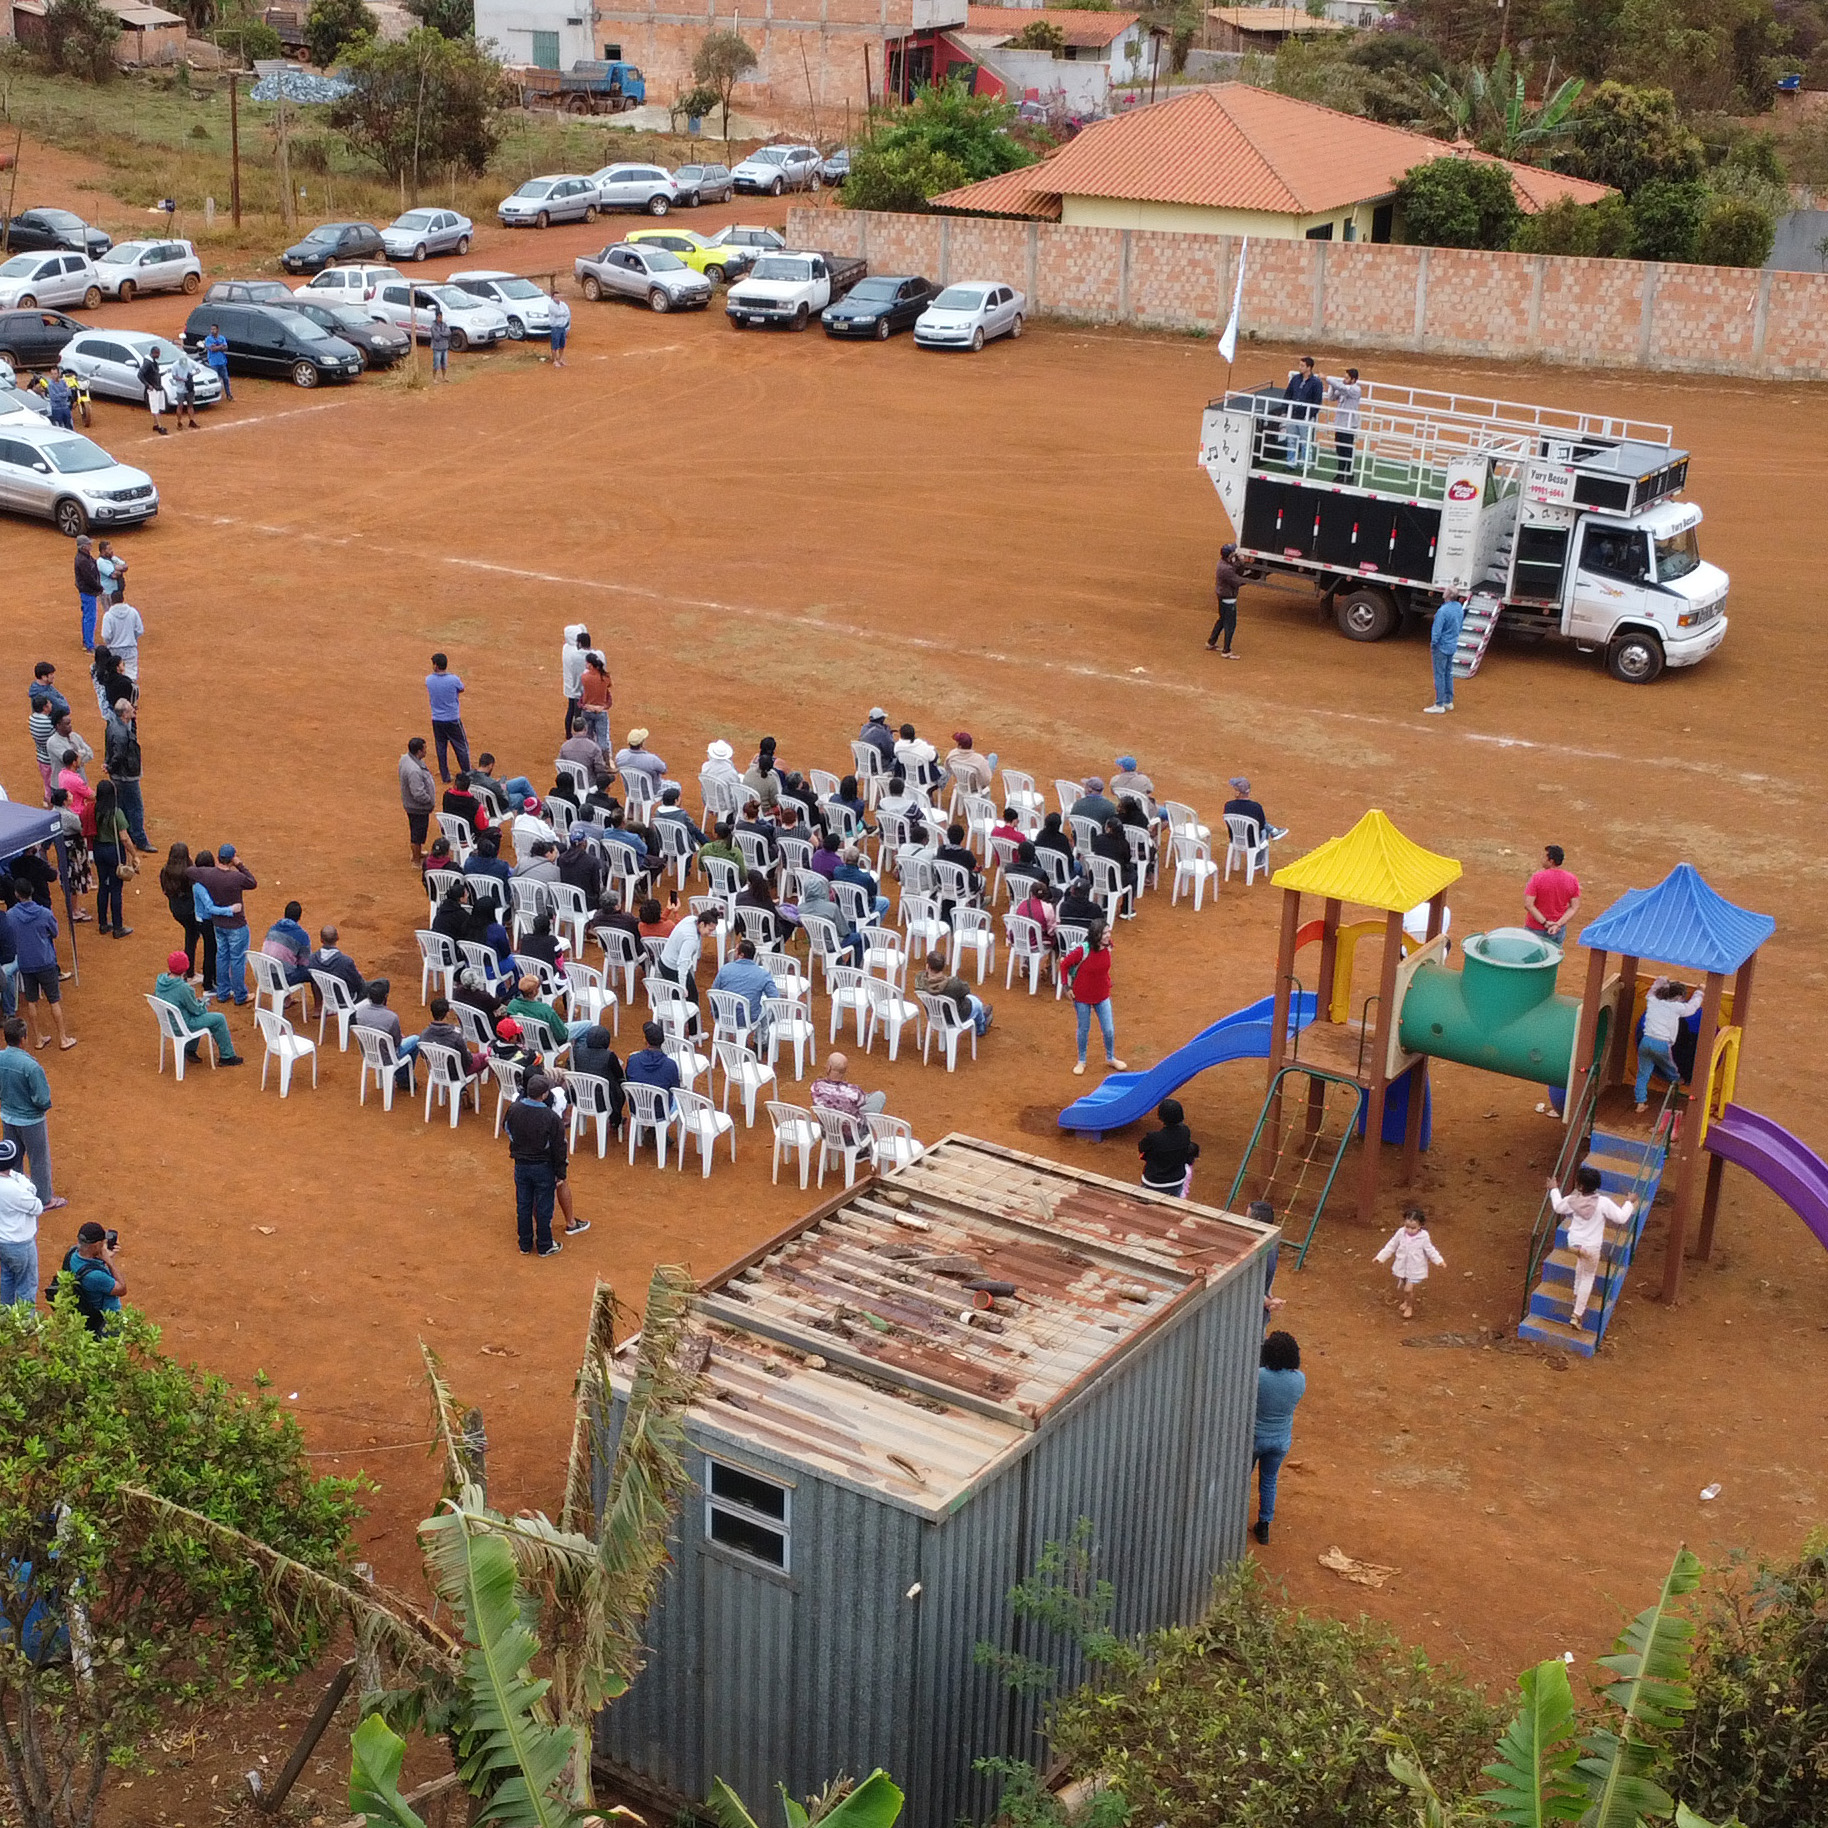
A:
[344, 285]
[715, 263]
[878, 307]
[790, 288]
[836, 166]
[423, 232]
[42, 229]
[540, 202]
[247, 292]
[110, 361]
[34, 339]
[758, 241]
[49, 279]
[774, 169]
[70, 481]
[623, 270]
[380, 343]
[276, 341]
[132, 267]
[527, 309]
[696, 184]
[18, 402]
[630, 186]
[474, 322]
[331, 242]
[971, 314]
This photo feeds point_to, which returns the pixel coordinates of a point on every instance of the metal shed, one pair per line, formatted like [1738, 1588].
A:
[881, 1457]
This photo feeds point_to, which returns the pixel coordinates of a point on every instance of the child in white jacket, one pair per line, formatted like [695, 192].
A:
[1409, 1253]
[1588, 1213]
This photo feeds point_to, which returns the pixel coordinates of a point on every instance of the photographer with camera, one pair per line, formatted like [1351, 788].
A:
[90, 1265]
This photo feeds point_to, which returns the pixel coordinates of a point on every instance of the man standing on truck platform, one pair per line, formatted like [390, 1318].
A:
[1443, 640]
[1346, 395]
[1551, 898]
[1304, 391]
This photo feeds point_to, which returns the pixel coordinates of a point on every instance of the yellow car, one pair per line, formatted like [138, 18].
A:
[718, 264]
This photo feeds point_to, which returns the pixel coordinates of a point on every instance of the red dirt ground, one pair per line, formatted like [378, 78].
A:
[771, 533]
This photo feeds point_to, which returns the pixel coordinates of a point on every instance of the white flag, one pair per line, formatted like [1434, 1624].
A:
[1228, 343]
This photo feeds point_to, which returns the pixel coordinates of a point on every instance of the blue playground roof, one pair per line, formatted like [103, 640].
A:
[1680, 922]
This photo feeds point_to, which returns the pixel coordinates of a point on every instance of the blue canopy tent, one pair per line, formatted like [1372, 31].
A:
[23, 828]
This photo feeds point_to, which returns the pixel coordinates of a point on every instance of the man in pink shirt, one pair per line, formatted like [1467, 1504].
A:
[1551, 898]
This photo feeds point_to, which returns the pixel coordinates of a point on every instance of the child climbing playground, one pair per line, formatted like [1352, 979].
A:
[1588, 1213]
[1670, 1005]
[1409, 1253]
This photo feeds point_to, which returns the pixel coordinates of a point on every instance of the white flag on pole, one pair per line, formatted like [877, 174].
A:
[1228, 343]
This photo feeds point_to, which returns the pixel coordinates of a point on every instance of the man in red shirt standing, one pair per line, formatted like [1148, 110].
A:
[1551, 898]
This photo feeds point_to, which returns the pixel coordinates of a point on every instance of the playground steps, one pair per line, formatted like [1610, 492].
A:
[1629, 1167]
[1476, 632]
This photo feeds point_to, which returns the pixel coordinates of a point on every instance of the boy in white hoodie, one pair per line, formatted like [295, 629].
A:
[1409, 1253]
[1588, 1213]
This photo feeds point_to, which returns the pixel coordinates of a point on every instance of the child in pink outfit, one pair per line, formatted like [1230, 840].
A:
[1409, 1253]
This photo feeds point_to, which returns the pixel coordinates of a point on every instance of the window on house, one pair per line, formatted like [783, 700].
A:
[751, 1515]
[1351, 233]
[545, 50]
[612, 53]
[1323, 233]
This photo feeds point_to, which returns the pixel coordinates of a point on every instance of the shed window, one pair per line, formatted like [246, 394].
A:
[545, 50]
[748, 1514]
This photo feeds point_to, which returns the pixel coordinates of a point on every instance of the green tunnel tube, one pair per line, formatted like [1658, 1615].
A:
[1499, 1012]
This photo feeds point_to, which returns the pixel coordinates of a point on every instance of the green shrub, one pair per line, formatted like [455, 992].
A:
[1602, 229]
[249, 39]
[1735, 233]
[1666, 216]
[79, 39]
[1458, 203]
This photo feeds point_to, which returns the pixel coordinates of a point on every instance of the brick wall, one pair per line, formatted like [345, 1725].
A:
[1446, 301]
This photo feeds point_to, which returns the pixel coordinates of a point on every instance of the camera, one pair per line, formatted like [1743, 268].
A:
[114, 1240]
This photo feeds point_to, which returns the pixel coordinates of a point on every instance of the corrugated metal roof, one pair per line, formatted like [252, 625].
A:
[852, 1341]
[1076, 26]
[1234, 146]
[1373, 866]
[1291, 19]
[1683, 922]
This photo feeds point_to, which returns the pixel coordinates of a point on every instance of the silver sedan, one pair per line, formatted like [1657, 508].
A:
[627, 270]
[423, 232]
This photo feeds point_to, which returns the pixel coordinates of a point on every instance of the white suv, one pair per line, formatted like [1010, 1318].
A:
[62, 477]
[635, 187]
[777, 168]
[132, 267]
[49, 279]
[349, 285]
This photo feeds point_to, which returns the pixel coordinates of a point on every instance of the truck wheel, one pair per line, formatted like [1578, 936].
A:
[658, 204]
[69, 519]
[657, 300]
[577, 104]
[593, 287]
[128, 288]
[1365, 615]
[1635, 657]
[802, 317]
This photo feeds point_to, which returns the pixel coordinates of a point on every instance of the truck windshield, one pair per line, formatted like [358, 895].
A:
[1678, 555]
[777, 268]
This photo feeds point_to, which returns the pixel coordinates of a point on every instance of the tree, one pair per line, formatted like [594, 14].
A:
[722, 60]
[1458, 203]
[107, 1618]
[1604, 230]
[1735, 233]
[1627, 136]
[946, 137]
[79, 39]
[330, 25]
[1039, 35]
[449, 18]
[248, 39]
[1666, 218]
[421, 104]
[900, 178]
[1489, 107]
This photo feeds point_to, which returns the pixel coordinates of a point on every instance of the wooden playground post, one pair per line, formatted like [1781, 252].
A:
[1618, 1047]
[1279, 1012]
[1688, 1158]
[1379, 1085]
[1329, 958]
[1716, 1164]
[1588, 1032]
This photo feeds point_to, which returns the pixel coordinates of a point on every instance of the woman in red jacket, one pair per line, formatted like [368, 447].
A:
[1089, 968]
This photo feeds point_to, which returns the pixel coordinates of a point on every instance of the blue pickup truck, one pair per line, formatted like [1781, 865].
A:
[587, 87]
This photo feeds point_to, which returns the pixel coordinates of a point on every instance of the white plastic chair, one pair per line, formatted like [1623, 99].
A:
[789, 1024]
[576, 773]
[1144, 856]
[894, 1143]
[650, 1109]
[172, 1028]
[474, 1026]
[1181, 817]
[1248, 847]
[684, 1054]
[480, 958]
[1068, 938]
[845, 1136]
[284, 1044]
[1084, 830]
[570, 912]
[561, 817]
[457, 830]
[890, 1010]
[447, 1079]
[866, 764]
[823, 785]
[725, 878]
[381, 1059]
[621, 952]
[270, 981]
[553, 987]
[701, 1120]
[920, 919]
[439, 883]
[855, 900]
[974, 928]
[742, 1068]
[529, 900]
[883, 955]
[848, 990]
[730, 1018]
[1020, 792]
[759, 925]
[757, 851]
[438, 962]
[337, 1002]
[676, 849]
[592, 1098]
[1028, 950]
[823, 942]
[589, 996]
[1192, 864]
[1110, 883]
[713, 904]
[980, 816]
[796, 1132]
[944, 1020]
[509, 1077]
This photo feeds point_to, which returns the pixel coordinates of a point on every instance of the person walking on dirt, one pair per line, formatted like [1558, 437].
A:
[443, 688]
[215, 353]
[561, 329]
[418, 795]
[441, 345]
[1443, 642]
[1588, 1213]
[1551, 898]
[1409, 1253]
[1088, 972]
[1281, 1384]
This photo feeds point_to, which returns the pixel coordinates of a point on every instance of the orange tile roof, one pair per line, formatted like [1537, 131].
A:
[1234, 146]
[1293, 19]
[1075, 26]
[1011, 193]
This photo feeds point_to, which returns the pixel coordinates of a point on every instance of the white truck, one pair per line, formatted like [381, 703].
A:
[790, 288]
[1548, 523]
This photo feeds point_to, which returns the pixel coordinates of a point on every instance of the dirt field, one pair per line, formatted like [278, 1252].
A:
[771, 533]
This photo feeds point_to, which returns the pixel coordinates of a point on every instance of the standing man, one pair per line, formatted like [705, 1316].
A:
[152, 378]
[48, 705]
[125, 764]
[571, 669]
[1228, 581]
[444, 688]
[25, 1109]
[34, 934]
[1346, 395]
[441, 345]
[225, 884]
[1443, 641]
[1304, 393]
[537, 1145]
[58, 397]
[1551, 898]
[19, 1210]
[121, 629]
[215, 353]
[561, 328]
[88, 589]
[418, 795]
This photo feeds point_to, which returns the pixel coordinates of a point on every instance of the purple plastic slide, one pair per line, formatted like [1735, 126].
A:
[1768, 1152]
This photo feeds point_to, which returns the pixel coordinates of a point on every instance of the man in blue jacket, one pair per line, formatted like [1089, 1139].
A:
[1443, 641]
[1304, 392]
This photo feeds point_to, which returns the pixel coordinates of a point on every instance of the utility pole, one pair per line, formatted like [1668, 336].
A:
[235, 146]
[285, 154]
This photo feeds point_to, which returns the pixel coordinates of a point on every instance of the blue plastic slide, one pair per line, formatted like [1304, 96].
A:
[1123, 1098]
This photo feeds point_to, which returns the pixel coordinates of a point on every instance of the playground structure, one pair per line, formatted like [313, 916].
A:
[1336, 1067]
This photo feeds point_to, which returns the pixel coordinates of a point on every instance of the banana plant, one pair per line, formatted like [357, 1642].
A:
[376, 1753]
[1491, 107]
[874, 1803]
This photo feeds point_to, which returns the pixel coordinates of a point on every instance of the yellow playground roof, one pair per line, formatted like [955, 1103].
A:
[1372, 866]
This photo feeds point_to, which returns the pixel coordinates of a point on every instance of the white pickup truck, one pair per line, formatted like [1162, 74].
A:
[790, 288]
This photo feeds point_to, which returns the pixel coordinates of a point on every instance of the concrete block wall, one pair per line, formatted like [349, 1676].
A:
[1445, 301]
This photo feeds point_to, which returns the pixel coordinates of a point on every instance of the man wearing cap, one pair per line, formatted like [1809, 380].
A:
[1228, 581]
[19, 1210]
[225, 885]
[537, 1144]
[1092, 804]
[879, 736]
[173, 986]
[972, 771]
[90, 1265]
[1127, 781]
[531, 827]
[635, 759]
[1242, 806]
